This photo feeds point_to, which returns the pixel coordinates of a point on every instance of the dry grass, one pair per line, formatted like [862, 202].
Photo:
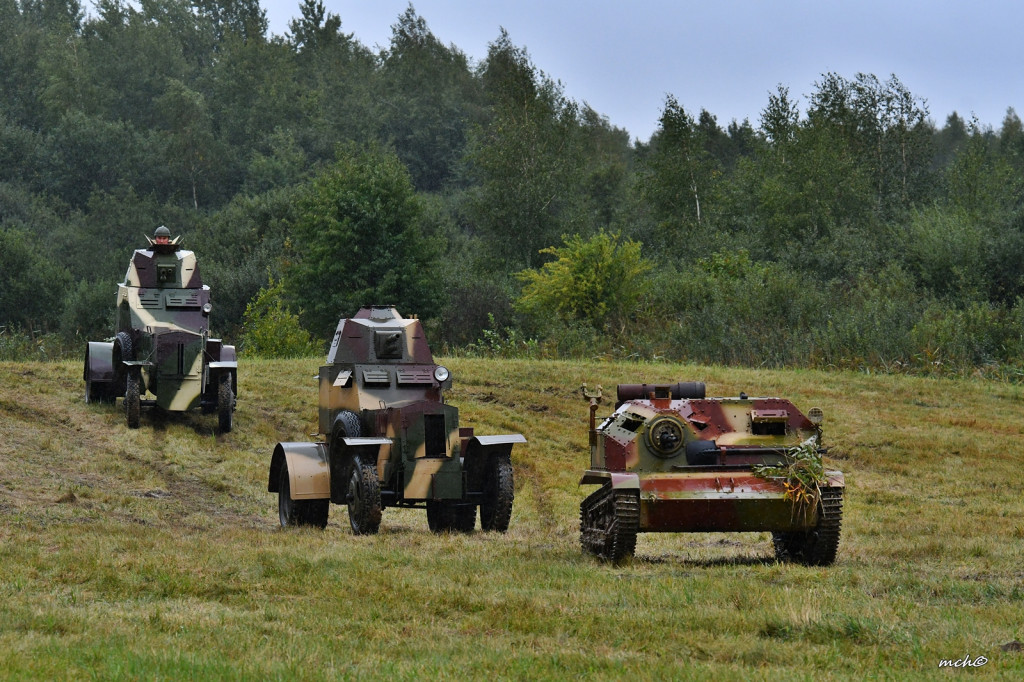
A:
[156, 554]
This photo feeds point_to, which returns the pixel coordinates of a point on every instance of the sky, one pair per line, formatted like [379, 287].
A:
[624, 58]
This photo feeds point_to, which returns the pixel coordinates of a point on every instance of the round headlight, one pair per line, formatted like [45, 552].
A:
[207, 307]
[815, 415]
[441, 374]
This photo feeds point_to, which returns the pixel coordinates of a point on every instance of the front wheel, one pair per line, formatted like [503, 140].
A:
[225, 403]
[132, 398]
[298, 512]
[499, 493]
[364, 507]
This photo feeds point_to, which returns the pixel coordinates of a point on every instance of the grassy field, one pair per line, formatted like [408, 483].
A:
[156, 553]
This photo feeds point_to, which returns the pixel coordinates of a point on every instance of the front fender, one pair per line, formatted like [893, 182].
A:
[309, 476]
[99, 361]
[619, 481]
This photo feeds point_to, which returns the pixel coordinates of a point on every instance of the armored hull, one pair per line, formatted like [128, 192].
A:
[390, 439]
[670, 460]
[162, 354]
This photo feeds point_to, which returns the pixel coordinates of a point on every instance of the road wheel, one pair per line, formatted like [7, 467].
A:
[499, 493]
[225, 403]
[364, 508]
[819, 545]
[132, 398]
[298, 512]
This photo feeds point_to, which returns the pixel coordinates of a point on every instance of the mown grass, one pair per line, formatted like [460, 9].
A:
[155, 554]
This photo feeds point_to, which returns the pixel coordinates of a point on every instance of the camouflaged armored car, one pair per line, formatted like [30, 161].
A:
[162, 354]
[390, 439]
[669, 459]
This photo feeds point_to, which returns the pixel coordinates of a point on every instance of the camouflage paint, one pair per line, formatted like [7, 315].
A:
[380, 368]
[164, 307]
[721, 494]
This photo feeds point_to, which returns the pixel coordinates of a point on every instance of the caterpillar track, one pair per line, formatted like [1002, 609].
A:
[818, 546]
[609, 521]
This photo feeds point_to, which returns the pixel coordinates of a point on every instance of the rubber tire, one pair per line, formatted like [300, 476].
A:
[364, 507]
[132, 398]
[225, 403]
[438, 517]
[449, 516]
[499, 494]
[298, 512]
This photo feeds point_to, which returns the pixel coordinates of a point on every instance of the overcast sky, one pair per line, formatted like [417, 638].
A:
[623, 58]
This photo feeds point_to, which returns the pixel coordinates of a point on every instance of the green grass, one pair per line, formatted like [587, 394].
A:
[155, 554]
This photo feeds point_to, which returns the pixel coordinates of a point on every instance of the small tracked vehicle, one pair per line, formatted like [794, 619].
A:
[669, 459]
[390, 439]
[162, 345]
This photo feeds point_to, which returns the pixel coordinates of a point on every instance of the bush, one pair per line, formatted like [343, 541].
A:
[269, 330]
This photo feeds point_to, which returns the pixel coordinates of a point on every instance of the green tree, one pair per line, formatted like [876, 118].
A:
[358, 241]
[599, 281]
[523, 162]
[270, 330]
[429, 100]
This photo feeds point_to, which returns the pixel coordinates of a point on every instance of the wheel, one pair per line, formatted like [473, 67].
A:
[499, 492]
[298, 512]
[818, 546]
[447, 516]
[341, 460]
[437, 516]
[132, 398]
[97, 391]
[225, 403]
[364, 508]
[464, 517]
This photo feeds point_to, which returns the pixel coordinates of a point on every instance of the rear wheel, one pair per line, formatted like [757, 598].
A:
[132, 398]
[298, 512]
[364, 508]
[499, 493]
[449, 516]
[225, 403]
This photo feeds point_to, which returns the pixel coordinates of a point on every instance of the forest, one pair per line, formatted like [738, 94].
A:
[311, 175]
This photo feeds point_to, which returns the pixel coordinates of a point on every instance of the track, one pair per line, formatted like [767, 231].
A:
[609, 521]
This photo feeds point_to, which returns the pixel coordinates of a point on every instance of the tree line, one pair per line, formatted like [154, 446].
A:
[313, 175]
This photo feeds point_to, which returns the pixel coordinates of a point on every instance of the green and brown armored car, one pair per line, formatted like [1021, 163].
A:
[671, 460]
[390, 438]
[162, 347]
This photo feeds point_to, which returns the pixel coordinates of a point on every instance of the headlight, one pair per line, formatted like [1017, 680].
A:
[441, 374]
[207, 307]
[815, 415]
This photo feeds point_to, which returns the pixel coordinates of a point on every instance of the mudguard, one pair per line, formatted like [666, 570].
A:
[481, 446]
[99, 363]
[309, 476]
[619, 481]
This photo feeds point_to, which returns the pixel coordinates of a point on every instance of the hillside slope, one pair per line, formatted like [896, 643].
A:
[156, 552]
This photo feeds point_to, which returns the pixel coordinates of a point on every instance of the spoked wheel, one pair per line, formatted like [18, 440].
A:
[132, 398]
[364, 507]
[225, 403]
[298, 512]
[499, 493]
[609, 521]
[818, 546]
